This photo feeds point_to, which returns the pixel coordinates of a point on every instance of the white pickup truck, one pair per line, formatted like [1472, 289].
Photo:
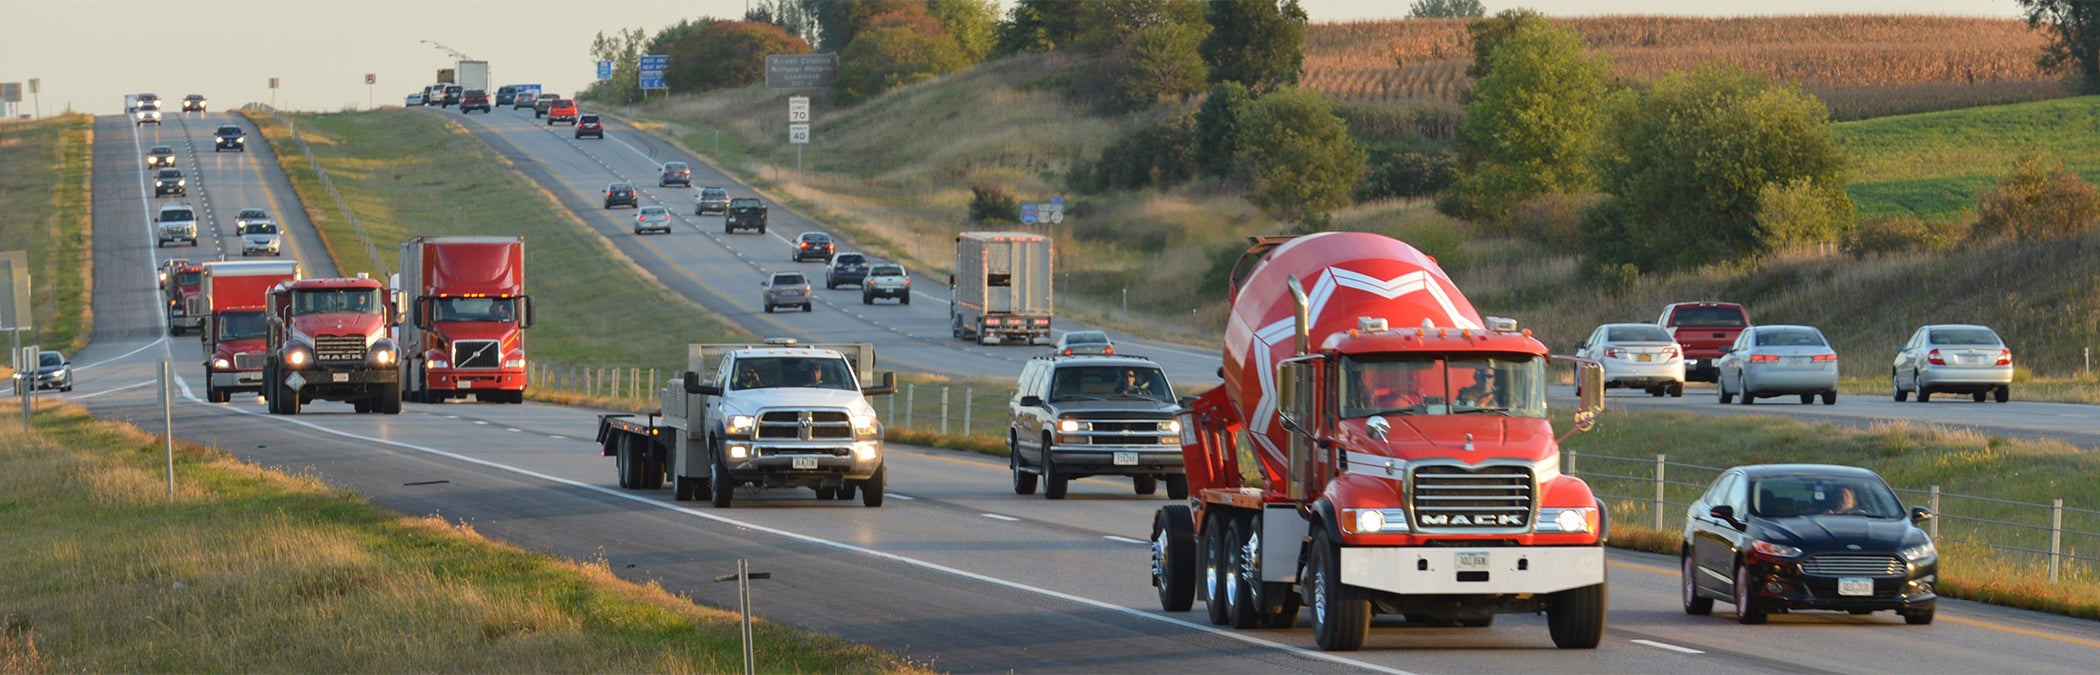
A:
[773, 415]
[886, 280]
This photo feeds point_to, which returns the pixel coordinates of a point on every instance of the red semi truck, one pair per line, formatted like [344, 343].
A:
[467, 318]
[184, 292]
[1377, 448]
[330, 339]
[236, 332]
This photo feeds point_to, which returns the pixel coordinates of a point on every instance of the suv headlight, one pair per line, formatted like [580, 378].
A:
[739, 425]
[1068, 426]
[1170, 426]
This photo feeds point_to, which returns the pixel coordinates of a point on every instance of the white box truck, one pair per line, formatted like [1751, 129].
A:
[1001, 289]
[475, 75]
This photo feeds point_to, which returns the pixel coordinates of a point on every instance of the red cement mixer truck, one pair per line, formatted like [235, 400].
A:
[1377, 447]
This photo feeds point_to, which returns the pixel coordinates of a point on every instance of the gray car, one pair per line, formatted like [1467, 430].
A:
[1779, 360]
[1955, 359]
[53, 371]
[787, 289]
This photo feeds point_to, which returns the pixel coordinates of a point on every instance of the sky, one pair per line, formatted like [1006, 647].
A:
[88, 54]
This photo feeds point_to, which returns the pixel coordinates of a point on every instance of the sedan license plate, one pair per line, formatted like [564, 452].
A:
[805, 462]
[1126, 459]
[1644, 358]
[1796, 360]
[1855, 586]
[1473, 561]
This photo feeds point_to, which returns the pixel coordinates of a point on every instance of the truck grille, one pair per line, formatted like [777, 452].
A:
[338, 348]
[805, 425]
[195, 305]
[476, 354]
[248, 360]
[1454, 498]
[1853, 565]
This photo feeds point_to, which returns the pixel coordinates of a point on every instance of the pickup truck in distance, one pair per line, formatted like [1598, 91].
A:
[1702, 329]
[745, 213]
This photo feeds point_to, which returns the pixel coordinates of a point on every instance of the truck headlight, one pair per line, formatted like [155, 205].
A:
[1068, 426]
[384, 357]
[297, 357]
[440, 363]
[865, 425]
[514, 363]
[739, 425]
[867, 450]
[739, 452]
[1374, 521]
[220, 363]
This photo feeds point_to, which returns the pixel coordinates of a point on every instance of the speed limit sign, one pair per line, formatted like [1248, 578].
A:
[371, 78]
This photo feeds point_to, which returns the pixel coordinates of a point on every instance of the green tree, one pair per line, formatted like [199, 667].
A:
[1300, 156]
[1155, 154]
[1446, 9]
[1690, 160]
[727, 54]
[1529, 124]
[1801, 211]
[1161, 62]
[1105, 25]
[1036, 26]
[797, 17]
[2075, 27]
[1259, 43]
[2036, 201]
[893, 50]
[1487, 34]
[661, 42]
[1218, 123]
[623, 48]
[970, 22]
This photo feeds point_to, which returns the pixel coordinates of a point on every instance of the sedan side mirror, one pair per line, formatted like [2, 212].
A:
[1920, 514]
[1726, 513]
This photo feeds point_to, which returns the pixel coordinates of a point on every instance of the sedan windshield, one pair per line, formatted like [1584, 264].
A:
[49, 359]
[1642, 333]
[1793, 496]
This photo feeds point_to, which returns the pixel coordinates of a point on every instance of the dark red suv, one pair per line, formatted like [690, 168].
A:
[472, 100]
[588, 125]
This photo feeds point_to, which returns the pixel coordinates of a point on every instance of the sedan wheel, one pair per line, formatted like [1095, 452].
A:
[1726, 398]
[1748, 608]
[1694, 604]
[1901, 393]
[1742, 385]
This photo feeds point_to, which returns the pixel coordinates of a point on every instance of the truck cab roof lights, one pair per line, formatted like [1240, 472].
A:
[1370, 324]
[782, 341]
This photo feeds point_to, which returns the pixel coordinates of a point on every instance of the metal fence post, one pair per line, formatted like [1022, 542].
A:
[2056, 538]
[969, 397]
[1660, 467]
[1567, 464]
[910, 391]
[944, 410]
[892, 414]
[1935, 498]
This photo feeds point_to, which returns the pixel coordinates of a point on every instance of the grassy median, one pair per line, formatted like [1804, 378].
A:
[45, 190]
[248, 569]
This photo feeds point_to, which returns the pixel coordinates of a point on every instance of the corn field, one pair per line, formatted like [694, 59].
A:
[1860, 65]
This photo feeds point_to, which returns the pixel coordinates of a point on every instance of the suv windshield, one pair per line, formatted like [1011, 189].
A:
[789, 371]
[170, 173]
[1109, 382]
[177, 214]
[788, 280]
[743, 203]
[1507, 384]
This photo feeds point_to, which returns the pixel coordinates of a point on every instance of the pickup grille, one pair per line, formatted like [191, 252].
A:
[1853, 565]
[805, 425]
[248, 360]
[1453, 498]
[339, 348]
[476, 354]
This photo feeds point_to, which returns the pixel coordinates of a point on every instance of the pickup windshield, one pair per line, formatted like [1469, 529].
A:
[804, 372]
[1422, 384]
[1709, 317]
[744, 203]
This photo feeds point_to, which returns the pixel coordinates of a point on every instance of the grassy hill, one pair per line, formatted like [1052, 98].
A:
[1932, 165]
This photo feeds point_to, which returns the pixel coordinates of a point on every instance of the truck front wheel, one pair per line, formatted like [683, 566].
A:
[388, 400]
[1576, 617]
[1341, 613]
[1173, 557]
[871, 489]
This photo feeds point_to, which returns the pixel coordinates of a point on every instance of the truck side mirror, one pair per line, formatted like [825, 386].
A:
[525, 315]
[693, 385]
[888, 386]
[1592, 387]
[420, 314]
[394, 307]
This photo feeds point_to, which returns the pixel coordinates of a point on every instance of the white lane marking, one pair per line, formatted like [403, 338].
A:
[124, 355]
[850, 548]
[481, 422]
[1123, 539]
[127, 387]
[1671, 647]
[559, 438]
[995, 516]
[907, 498]
[514, 430]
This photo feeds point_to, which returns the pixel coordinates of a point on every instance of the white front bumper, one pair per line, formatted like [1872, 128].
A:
[1427, 570]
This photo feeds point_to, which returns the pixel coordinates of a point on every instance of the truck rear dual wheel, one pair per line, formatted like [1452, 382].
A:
[1243, 609]
[1212, 545]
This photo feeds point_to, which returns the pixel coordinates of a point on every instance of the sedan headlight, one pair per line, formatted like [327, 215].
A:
[1919, 552]
[1770, 549]
[739, 425]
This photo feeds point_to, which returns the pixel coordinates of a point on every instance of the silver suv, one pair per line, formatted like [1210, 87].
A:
[787, 289]
[1077, 416]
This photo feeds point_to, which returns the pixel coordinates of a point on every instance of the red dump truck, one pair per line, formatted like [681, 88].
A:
[331, 339]
[467, 315]
[1377, 447]
[236, 332]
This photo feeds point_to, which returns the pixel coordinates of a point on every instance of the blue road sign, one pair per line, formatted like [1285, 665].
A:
[653, 71]
[1028, 214]
[605, 70]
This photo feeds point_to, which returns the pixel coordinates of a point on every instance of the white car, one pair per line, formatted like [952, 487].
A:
[1954, 359]
[146, 116]
[1083, 342]
[261, 236]
[652, 218]
[1636, 355]
[1779, 360]
[414, 99]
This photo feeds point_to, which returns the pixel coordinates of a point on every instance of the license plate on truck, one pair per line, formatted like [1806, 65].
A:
[1126, 459]
[1855, 586]
[804, 462]
[1473, 561]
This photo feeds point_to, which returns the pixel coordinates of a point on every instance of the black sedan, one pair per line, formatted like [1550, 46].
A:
[1780, 537]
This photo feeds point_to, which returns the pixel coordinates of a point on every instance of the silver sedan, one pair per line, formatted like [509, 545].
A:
[1779, 360]
[1953, 358]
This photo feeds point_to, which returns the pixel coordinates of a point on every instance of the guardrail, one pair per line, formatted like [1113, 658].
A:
[1657, 492]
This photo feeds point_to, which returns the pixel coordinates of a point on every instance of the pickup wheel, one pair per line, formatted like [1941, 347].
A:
[769, 309]
[904, 299]
[871, 489]
[723, 489]
[1177, 486]
[805, 306]
[823, 492]
[1144, 485]
[1024, 482]
[867, 299]
[845, 492]
[1174, 557]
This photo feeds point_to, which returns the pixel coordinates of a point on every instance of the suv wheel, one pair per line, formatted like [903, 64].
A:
[1024, 482]
[1054, 484]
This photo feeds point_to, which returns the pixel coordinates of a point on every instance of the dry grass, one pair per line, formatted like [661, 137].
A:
[246, 569]
[1860, 65]
[45, 187]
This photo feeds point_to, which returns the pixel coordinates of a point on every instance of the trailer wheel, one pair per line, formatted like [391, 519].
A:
[1173, 557]
[1576, 617]
[630, 465]
[1341, 613]
[652, 469]
[1212, 543]
[1177, 486]
[686, 489]
[871, 489]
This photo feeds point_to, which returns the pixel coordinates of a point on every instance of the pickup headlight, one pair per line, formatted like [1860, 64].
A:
[739, 425]
[865, 425]
[867, 450]
[1170, 426]
[1919, 552]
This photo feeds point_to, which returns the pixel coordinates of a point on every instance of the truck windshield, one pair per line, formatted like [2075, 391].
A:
[334, 300]
[501, 310]
[189, 278]
[242, 325]
[804, 372]
[1495, 384]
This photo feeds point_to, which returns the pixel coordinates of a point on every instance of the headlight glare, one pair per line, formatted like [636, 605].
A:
[1170, 426]
[1370, 521]
[867, 450]
[1068, 426]
[296, 357]
[739, 425]
[1920, 551]
[739, 452]
[1573, 520]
